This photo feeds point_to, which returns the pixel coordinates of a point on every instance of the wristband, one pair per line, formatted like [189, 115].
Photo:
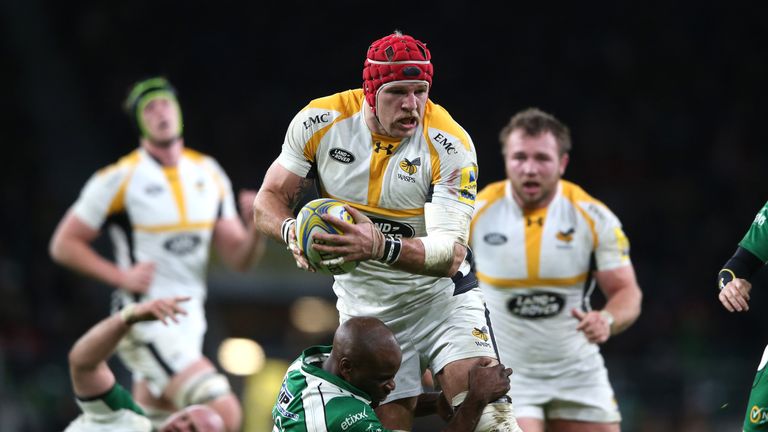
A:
[126, 314]
[724, 277]
[392, 248]
[607, 316]
[285, 229]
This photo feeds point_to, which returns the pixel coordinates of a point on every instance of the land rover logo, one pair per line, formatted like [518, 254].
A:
[495, 239]
[341, 155]
[396, 229]
[182, 244]
[537, 305]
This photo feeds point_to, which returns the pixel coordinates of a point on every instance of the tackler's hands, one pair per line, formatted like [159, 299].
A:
[159, 309]
[288, 231]
[735, 295]
[489, 383]
[360, 241]
[596, 325]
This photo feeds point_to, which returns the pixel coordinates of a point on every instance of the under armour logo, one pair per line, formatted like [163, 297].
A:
[539, 220]
[379, 147]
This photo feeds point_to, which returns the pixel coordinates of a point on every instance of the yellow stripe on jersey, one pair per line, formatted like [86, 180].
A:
[534, 229]
[193, 155]
[485, 198]
[383, 149]
[400, 213]
[117, 204]
[575, 195]
[530, 281]
[347, 103]
[172, 175]
[188, 226]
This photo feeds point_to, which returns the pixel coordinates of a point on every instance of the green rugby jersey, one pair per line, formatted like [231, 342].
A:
[313, 400]
[756, 239]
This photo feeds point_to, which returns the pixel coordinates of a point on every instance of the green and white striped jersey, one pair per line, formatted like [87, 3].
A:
[313, 400]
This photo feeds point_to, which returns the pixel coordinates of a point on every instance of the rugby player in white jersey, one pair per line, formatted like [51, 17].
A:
[163, 205]
[407, 172]
[534, 236]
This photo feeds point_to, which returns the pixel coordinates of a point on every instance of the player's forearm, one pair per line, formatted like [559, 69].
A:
[98, 344]
[467, 415]
[81, 257]
[624, 306]
[269, 211]
[413, 256]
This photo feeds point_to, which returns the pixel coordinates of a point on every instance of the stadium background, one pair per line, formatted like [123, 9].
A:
[665, 103]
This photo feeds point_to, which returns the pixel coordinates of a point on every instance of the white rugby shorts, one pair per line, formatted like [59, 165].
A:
[448, 329]
[582, 394]
[154, 352]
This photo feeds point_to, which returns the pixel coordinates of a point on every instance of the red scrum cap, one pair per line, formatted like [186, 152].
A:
[396, 57]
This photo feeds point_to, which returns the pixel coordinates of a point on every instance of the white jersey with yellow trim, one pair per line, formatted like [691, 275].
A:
[390, 180]
[159, 214]
[533, 267]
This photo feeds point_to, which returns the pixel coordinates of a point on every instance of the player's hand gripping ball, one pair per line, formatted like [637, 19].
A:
[309, 222]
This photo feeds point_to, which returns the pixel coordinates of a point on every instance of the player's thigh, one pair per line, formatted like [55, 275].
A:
[756, 418]
[456, 335]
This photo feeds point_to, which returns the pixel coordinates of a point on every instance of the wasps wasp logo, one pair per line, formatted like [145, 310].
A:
[566, 236]
[481, 334]
[410, 166]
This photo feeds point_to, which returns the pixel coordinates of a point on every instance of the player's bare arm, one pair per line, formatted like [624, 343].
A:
[238, 242]
[88, 367]
[280, 192]
[622, 308]
[71, 246]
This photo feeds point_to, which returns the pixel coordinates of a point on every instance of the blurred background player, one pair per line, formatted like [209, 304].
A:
[535, 238]
[106, 405]
[391, 153]
[733, 281]
[334, 388]
[164, 205]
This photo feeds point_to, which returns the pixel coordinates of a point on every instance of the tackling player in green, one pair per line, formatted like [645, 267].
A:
[733, 281]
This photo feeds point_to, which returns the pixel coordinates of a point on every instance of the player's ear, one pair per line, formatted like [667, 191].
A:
[345, 368]
[564, 159]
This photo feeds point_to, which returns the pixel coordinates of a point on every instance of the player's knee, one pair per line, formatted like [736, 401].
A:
[202, 389]
[498, 416]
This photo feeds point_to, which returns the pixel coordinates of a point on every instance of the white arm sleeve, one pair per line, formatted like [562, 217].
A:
[445, 226]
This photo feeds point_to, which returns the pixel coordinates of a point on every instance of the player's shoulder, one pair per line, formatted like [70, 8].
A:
[121, 167]
[492, 191]
[346, 103]
[443, 131]
[197, 156]
[595, 209]
[576, 194]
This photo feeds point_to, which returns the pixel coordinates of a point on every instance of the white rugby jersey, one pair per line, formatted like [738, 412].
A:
[533, 267]
[390, 180]
[164, 215]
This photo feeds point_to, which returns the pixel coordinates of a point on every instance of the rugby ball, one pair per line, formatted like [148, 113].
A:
[309, 222]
